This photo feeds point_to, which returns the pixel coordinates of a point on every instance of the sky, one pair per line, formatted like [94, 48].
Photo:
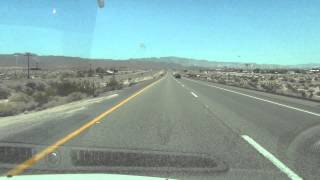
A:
[265, 32]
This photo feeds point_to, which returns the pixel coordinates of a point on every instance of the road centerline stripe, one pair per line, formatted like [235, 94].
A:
[194, 94]
[260, 99]
[42, 154]
[281, 166]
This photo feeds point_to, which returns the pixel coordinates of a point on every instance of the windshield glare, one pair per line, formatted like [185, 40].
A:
[173, 89]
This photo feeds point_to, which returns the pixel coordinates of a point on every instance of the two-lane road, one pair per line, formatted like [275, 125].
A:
[252, 134]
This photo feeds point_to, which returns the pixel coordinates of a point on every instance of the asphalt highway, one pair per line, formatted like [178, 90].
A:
[258, 135]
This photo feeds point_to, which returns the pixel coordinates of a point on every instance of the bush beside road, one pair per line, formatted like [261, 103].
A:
[23, 95]
[300, 85]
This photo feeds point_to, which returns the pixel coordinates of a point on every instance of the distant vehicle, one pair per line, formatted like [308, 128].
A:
[178, 76]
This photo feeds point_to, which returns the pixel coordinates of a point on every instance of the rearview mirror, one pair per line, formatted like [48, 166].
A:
[101, 3]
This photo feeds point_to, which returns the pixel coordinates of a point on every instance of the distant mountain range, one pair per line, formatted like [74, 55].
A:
[216, 64]
[187, 62]
[64, 62]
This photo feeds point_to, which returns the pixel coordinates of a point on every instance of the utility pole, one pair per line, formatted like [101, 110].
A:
[247, 67]
[90, 74]
[28, 59]
[28, 55]
[15, 72]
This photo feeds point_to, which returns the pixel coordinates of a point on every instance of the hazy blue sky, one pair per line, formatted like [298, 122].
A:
[270, 31]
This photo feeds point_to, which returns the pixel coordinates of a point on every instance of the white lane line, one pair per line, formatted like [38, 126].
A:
[260, 99]
[194, 94]
[291, 174]
[179, 82]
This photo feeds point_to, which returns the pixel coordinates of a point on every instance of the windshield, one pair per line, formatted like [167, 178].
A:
[163, 88]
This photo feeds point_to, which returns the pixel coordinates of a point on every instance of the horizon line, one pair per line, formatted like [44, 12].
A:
[159, 57]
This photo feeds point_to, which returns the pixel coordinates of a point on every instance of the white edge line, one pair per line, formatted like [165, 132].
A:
[260, 99]
[92, 101]
[272, 158]
[74, 110]
[112, 96]
[95, 100]
[194, 94]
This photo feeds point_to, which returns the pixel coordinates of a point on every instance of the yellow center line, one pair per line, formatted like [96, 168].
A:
[51, 148]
